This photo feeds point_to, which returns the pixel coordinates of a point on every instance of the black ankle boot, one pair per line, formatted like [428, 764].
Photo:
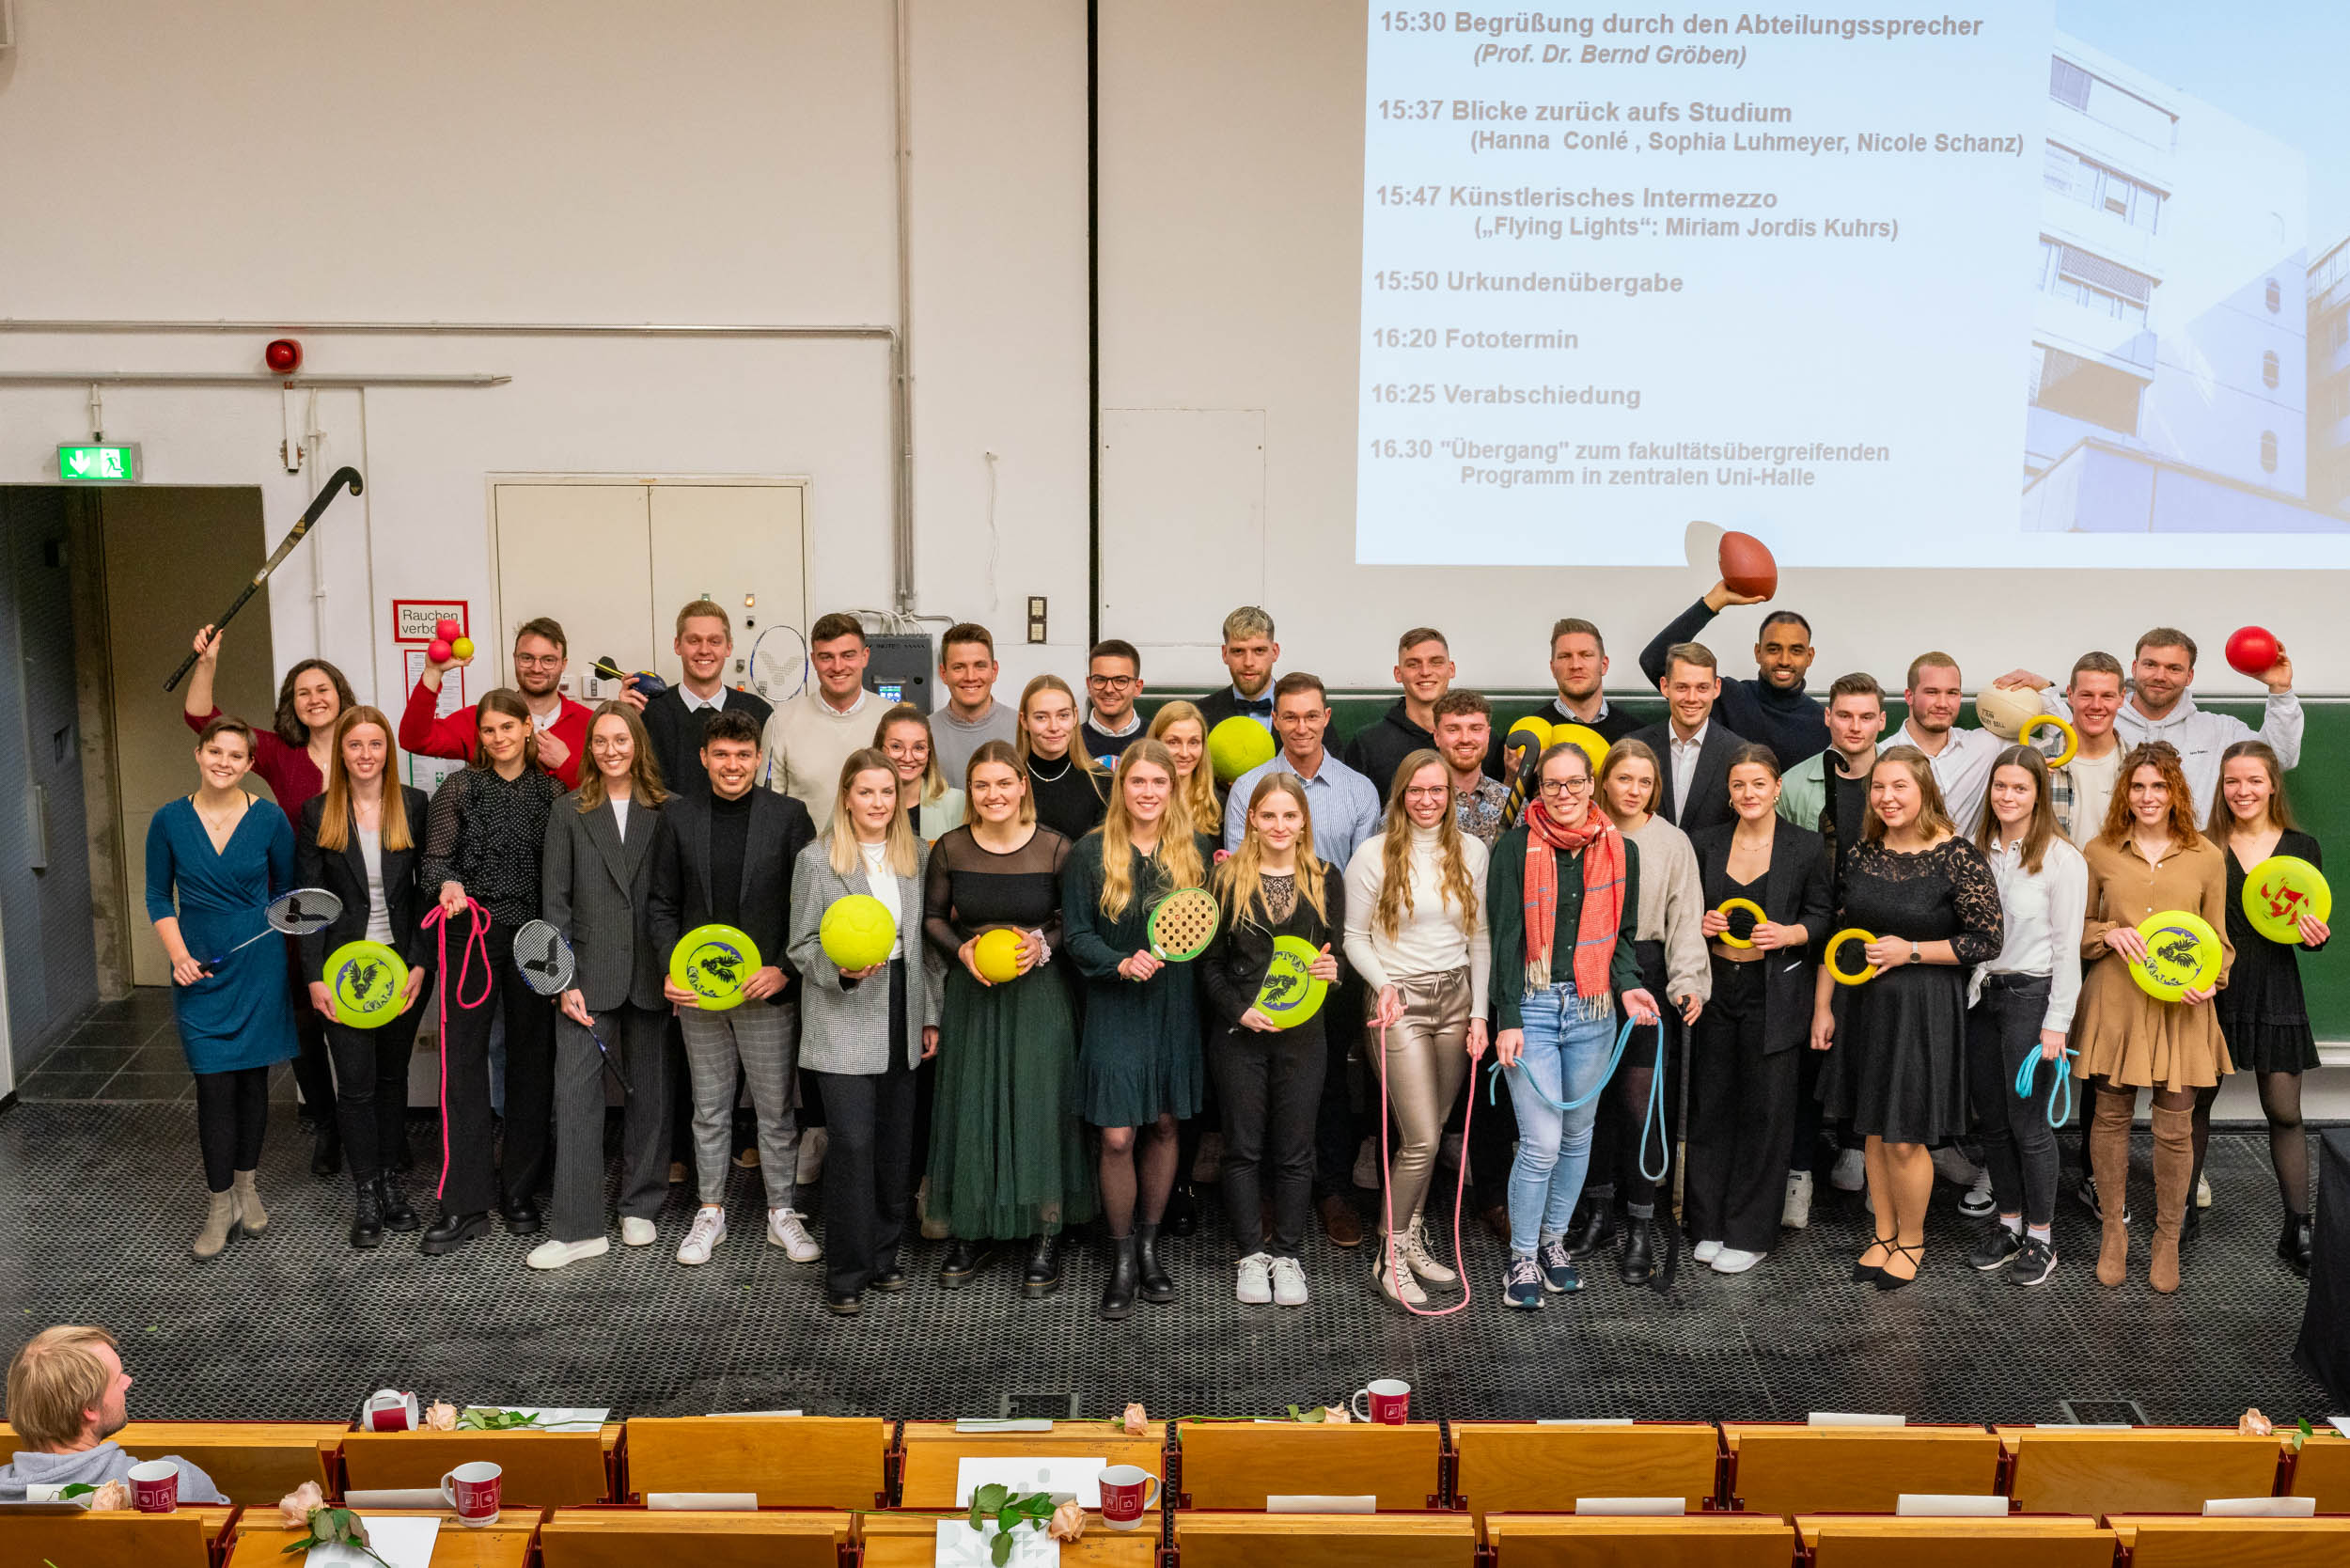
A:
[451, 1232]
[2298, 1245]
[326, 1149]
[1042, 1278]
[1157, 1284]
[1182, 1211]
[1118, 1291]
[1594, 1226]
[397, 1215]
[963, 1261]
[367, 1220]
[1638, 1262]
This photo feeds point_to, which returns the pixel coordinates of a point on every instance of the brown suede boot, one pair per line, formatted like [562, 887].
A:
[2109, 1161]
[2174, 1184]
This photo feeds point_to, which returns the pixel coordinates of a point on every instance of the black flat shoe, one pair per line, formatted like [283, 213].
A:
[326, 1150]
[842, 1306]
[451, 1230]
[1183, 1212]
[397, 1215]
[522, 1218]
[963, 1261]
[2298, 1245]
[892, 1280]
[1637, 1263]
[1158, 1285]
[1593, 1227]
[1042, 1278]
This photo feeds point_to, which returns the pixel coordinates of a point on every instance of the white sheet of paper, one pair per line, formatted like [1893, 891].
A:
[556, 1418]
[1584, 1421]
[1631, 1508]
[2259, 1508]
[1846, 1417]
[395, 1497]
[703, 1502]
[1948, 1505]
[961, 1547]
[402, 1540]
[1063, 1476]
[2340, 1424]
[1008, 1423]
[1307, 1502]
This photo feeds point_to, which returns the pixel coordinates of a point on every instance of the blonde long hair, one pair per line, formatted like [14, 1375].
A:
[335, 815]
[1199, 790]
[900, 853]
[1241, 878]
[644, 773]
[1395, 855]
[1076, 739]
[1177, 855]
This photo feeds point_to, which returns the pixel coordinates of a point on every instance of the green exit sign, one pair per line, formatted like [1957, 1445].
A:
[98, 464]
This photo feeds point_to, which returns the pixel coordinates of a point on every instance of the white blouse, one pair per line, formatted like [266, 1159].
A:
[371, 856]
[1431, 939]
[883, 883]
[2044, 910]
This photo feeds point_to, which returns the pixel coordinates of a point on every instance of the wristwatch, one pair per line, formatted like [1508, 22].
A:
[1915, 956]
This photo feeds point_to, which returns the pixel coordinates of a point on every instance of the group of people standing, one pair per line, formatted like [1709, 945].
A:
[1460, 895]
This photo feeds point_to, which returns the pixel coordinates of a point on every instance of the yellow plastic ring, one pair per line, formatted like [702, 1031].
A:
[1724, 908]
[2072, 737]
[1828, 956]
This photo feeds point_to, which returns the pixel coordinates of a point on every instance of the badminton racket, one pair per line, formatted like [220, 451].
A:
[549, 967]
[298, 911]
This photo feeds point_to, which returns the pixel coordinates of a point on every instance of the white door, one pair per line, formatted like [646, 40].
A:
[738, 544]
[581, 553]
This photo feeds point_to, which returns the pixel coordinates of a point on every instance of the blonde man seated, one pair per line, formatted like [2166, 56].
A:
[65, 1400]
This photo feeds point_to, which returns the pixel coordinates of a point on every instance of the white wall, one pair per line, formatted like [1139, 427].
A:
[710, 162]
[1230, 243]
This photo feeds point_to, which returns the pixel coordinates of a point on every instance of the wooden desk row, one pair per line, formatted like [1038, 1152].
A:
[1478, 1467]
[627, 1538]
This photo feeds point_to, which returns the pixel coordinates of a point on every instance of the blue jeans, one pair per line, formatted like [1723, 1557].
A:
[1567, 1043]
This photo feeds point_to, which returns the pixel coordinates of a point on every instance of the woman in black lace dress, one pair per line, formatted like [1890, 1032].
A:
[1898, 1043]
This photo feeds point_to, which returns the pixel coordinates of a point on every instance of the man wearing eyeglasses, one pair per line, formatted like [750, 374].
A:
[1113, 681]
[539, 653]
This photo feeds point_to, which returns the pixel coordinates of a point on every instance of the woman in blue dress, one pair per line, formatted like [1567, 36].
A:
[225, 853]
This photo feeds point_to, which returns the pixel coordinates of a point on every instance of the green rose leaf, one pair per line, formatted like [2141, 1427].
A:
[999, 1550]
[991, 1497]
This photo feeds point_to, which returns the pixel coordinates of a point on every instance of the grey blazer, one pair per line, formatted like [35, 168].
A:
[844, 1024]
[596, 890]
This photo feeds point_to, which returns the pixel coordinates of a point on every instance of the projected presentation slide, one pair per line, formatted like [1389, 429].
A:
[1886, 285]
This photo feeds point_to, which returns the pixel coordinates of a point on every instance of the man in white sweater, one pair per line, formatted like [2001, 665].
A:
[810, 737]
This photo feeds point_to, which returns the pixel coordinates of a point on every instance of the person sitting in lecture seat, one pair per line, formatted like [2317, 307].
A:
[68, 1394]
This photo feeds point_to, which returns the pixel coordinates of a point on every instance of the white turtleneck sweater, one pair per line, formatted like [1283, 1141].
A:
[1432, 939]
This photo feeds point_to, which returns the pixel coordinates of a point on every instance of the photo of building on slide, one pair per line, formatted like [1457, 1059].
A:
[2189, 370]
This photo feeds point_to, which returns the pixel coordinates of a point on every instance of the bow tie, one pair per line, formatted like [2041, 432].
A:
[1252, 705]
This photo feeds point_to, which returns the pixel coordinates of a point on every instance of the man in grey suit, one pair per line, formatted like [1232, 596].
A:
[726, 860]
[1692, 745]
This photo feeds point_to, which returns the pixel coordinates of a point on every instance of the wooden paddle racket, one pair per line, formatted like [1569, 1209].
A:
[1183, 924]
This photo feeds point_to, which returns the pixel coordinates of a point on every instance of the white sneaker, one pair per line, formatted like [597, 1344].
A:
[1366, 1164]
[1706, 1251]
[1796, 1212]
[1730, 1260]
[556, 1254]
[1419, 1260]
[638, 1233]
[1256, 1281]
[785, 1229]
[1289, 1283]
[709, 1229]
[813, 1142]
[1851, 1171]
[1979, 1203]
[1953, 1167]
[1395, 1281]
[2202, 1192]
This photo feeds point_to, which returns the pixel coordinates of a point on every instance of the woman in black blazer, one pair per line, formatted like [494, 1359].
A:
[1745, 1053]
[361, 841]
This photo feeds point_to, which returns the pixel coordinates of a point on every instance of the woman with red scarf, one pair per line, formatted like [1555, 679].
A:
[1561, 886]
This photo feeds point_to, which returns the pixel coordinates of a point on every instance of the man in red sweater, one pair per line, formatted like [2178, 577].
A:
[539, 653]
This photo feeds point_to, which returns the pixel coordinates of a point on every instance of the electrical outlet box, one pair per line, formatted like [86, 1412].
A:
[1036, 617]
[901, 668]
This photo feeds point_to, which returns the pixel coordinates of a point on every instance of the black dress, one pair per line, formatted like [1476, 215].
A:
[1072, 802]
[2261, 1013]
[1898, 1067]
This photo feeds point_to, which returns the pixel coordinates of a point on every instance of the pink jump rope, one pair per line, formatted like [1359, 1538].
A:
[477, 939]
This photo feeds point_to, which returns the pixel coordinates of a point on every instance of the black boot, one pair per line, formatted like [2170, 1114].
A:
[1182, 1211]
[326, 1149]
[963, 1261]
[1638, 1262]
[366, 1222]
[1594, 1225]
[2298, 1245]
[1157, 1284]
[449, 1231]
[397, 1215]
[1118, 1291]
[1042, 1278]
[521, 1216]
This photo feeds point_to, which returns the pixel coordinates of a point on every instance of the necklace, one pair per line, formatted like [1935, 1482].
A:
[1066, 764]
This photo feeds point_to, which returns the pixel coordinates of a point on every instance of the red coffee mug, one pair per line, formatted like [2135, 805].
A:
[1128, 1492]
[155, 1487]
[472, 1491]
[1390, 1402]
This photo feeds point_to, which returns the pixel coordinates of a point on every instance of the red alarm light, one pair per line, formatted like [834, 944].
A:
[283, 355]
